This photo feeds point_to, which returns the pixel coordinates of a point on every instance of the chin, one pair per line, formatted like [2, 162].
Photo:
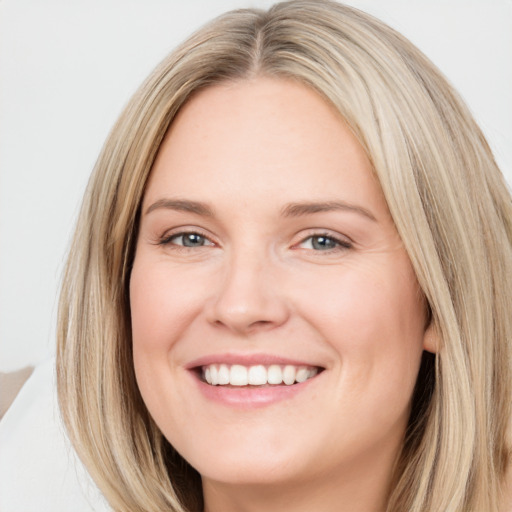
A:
[249, 472]
[261, 456]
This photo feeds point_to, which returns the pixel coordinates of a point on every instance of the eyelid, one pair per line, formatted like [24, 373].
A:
[167, 237]
[343, 242]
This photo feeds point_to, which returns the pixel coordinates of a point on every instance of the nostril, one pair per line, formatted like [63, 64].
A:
[260, 323]
[244, 323]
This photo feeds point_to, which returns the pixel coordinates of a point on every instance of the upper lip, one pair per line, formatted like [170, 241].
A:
[248, 360]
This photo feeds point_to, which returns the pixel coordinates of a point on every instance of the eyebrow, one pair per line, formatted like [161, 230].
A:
[289, 210]
[299, 209]
[182, 205]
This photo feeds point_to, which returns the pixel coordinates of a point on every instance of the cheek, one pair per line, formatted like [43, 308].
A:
[366, 303]
[162, 303]
[374, 320]
[161, 307]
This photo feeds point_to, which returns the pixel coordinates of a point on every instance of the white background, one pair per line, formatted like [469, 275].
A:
[68, 67]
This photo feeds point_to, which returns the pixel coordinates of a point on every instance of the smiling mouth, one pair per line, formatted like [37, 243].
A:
[237, 375]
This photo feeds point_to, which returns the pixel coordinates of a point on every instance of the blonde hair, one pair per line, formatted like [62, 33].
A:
[448, 200]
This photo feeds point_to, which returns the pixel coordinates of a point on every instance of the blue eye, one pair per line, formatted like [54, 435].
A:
[324, 243]
[189, 240]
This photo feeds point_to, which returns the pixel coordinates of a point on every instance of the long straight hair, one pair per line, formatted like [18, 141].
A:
[447, 198]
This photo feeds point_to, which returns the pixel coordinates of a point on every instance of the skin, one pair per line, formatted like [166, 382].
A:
[256, 282]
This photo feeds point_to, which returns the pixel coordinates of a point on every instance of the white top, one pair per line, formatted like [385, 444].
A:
[39, 470]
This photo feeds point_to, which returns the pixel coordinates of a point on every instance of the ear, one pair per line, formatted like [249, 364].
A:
[431, 339]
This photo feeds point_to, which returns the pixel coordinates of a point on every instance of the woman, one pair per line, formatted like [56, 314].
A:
[290, 282]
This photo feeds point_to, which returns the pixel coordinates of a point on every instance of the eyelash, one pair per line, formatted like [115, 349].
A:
[168, 240]
[340, 244]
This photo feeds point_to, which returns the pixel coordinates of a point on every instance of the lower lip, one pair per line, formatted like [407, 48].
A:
[247, 397]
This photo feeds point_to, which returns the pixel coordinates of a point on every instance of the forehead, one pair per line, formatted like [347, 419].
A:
[259, 138]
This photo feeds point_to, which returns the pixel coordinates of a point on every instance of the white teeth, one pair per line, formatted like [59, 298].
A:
[214, 375]
[258, 375]
[238, 375]
[289, 375]
[302, 374]
[275, 374]
[224, 374]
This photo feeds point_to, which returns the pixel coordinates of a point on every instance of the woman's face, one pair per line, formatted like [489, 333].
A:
[266, 251]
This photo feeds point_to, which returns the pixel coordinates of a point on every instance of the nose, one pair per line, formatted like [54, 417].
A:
[248, 297]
